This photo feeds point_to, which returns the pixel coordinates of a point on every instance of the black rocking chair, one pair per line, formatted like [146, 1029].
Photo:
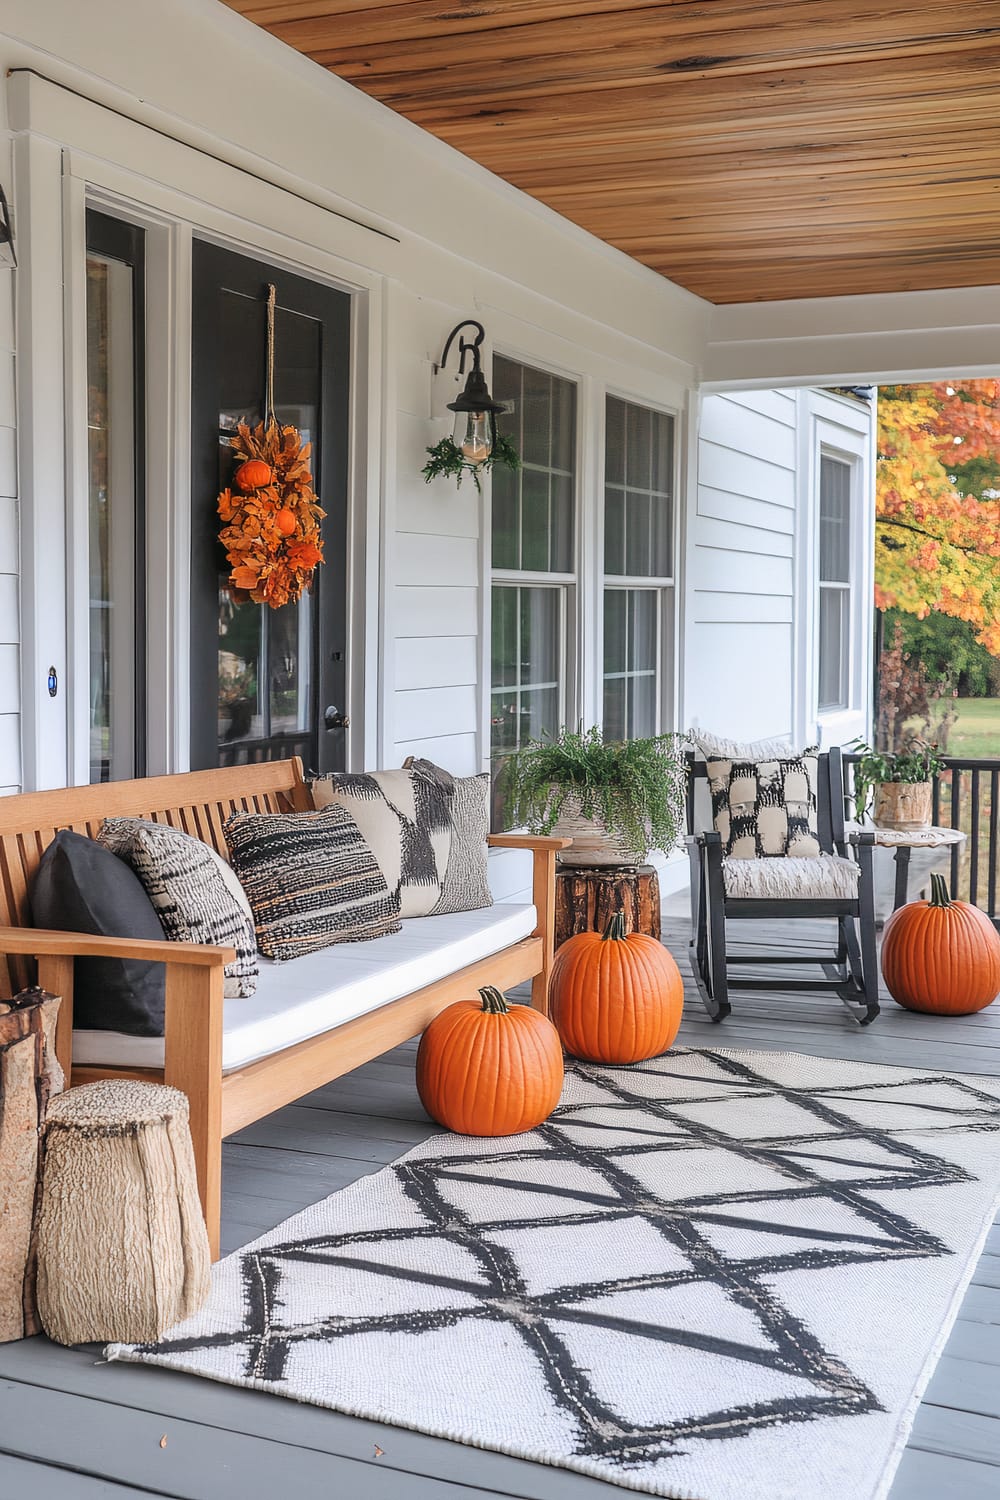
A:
[851, 971]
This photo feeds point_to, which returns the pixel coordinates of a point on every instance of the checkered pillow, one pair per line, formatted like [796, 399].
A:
[765, 809]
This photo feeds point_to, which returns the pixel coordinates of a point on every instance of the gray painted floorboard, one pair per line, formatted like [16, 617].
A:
[75, 1428]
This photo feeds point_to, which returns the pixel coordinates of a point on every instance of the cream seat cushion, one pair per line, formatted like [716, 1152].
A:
[312, 994]
[820, 877]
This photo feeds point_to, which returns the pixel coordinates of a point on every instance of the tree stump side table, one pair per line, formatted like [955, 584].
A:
[587, 898]
[122, 1246]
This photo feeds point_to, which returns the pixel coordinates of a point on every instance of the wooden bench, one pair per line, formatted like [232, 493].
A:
[199, 802]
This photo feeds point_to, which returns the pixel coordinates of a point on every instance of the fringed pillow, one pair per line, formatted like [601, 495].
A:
[196, 896]
[765, 809]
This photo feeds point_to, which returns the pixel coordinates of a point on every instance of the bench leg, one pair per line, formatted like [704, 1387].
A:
[193, 1064]
[543, 894]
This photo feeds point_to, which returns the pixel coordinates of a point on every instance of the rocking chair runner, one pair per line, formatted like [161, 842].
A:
[851, 971]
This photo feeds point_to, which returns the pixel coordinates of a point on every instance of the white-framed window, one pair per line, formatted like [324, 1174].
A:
[834, 612]
[638, 567]
[533, 555]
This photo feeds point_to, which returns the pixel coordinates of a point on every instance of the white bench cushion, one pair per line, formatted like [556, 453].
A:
[313, 994]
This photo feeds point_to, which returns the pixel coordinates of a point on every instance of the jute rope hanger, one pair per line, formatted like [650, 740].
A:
[269, 416]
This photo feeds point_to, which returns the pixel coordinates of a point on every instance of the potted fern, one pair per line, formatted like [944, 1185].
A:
[616, 800]
[898, 784]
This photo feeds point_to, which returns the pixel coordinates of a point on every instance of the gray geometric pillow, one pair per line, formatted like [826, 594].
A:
[197, 897]
[465, 884]
[765, 809]
[405, 819]
[312, 880]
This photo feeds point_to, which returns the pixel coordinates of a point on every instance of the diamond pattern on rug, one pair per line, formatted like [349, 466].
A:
[624, 1263]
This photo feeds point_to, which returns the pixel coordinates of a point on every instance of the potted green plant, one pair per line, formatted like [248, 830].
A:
[898, 785]
[616, 800]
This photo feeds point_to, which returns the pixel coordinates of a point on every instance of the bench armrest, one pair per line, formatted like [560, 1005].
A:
[193, 1016]
[533, 841]
[38, 942]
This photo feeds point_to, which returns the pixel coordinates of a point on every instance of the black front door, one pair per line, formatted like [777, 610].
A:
[267, 683]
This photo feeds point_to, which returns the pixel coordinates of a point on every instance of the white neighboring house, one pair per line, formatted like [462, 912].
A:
[671, 553]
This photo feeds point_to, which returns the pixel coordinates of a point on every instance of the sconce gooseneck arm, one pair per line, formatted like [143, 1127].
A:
[465, 346]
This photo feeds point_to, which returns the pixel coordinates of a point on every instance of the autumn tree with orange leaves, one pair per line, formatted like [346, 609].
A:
[937, 532]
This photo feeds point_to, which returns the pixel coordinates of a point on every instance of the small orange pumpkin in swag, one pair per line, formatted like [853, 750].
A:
[615, 997]
[489, 1068]
[941, 956]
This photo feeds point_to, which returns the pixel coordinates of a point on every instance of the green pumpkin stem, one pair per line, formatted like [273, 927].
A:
[494, 1003]
[615, 929]
[939, 890]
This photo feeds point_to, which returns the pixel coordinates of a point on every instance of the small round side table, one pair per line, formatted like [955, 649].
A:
[904, 842]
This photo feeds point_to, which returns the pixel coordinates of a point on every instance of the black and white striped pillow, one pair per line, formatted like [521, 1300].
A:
[197, 897]
[312, 880]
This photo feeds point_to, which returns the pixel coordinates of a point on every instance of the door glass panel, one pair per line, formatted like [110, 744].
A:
[111, 455]
[267, 704]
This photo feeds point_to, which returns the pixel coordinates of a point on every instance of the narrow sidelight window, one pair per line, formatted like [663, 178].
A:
[116, 497]
[834, 634]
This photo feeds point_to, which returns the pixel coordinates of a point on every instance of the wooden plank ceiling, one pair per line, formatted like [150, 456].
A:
[747, 149]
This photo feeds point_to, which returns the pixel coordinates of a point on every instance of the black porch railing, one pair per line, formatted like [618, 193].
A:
[967, 797]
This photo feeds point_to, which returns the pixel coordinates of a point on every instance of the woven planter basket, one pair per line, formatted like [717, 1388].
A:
[592, 845]
[904, 805]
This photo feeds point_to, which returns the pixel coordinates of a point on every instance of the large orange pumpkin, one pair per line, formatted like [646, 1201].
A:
[941, 956]
[615, 998]
[491, 1068]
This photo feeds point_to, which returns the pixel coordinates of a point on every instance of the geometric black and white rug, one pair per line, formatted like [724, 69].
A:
[719, 1274]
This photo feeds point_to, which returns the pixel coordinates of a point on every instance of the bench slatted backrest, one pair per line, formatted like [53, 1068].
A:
[196, 802]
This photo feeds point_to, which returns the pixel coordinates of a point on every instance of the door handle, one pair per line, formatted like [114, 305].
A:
[334, 719]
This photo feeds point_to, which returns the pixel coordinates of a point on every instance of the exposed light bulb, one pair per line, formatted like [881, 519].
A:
[475, 444]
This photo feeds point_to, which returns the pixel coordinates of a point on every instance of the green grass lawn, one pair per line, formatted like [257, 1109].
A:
[977, 733]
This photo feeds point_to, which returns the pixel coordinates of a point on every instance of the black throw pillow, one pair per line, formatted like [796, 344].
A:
[80, 886]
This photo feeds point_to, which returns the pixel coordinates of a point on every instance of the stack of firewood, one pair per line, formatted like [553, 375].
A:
[29, 1075]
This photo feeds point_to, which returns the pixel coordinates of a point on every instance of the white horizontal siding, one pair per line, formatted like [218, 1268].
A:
[439, 561]
[735, 426]
[739, 609]
[723, 505]
[780, 405]
[728, 570]
[437, 661]
[457, 753]
[746, 474]
[747, 692]
[436, 611]
[428, 712]
[741, 566]
[10, 723]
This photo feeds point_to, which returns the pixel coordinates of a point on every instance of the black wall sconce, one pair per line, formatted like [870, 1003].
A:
[474, 433]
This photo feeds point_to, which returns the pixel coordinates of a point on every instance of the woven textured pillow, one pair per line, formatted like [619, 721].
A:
[765, 808]
[197, 897]
[312, 880]
[406, 820]
[465, 883]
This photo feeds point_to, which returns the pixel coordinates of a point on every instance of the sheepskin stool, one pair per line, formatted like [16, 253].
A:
[122, 1247]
